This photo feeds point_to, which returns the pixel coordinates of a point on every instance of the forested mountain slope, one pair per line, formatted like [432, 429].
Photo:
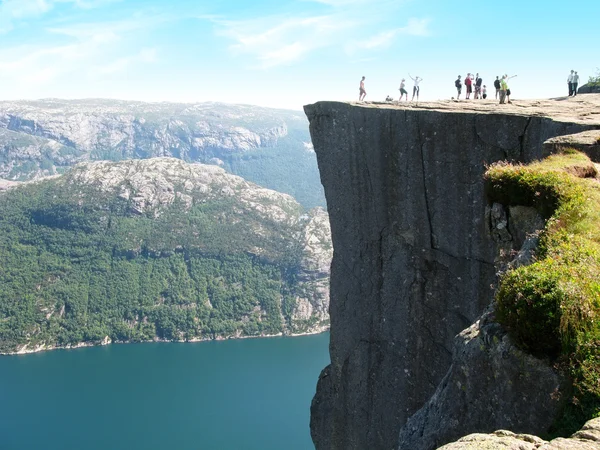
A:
[157, 249]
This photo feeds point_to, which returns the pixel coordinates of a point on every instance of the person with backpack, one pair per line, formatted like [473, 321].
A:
[469, 85]
[478, 83]
[458, 84]
[503, 89]
[497, 86]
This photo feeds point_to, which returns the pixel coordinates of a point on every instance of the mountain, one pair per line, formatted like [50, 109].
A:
[270, 147]
[153, 249]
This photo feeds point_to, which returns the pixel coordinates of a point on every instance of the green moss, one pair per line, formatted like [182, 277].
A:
[552, 307]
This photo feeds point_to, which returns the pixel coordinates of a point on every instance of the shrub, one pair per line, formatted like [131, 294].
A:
[594, 80]
[552, 307]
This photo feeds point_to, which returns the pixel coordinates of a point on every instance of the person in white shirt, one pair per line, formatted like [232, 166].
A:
[570, 83]
[575, 83]
[416, 81]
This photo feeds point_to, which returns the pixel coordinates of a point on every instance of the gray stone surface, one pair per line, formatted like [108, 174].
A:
[491, 385]
[413, 264]
[586, 439]
[589, 89]
[587, 142]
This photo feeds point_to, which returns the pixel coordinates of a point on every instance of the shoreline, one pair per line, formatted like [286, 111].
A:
[25, 350]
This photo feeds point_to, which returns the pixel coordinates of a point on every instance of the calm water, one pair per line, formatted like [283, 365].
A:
[240, 394]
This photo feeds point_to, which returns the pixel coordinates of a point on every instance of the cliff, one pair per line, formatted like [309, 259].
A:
[414, 260]
[157, 249]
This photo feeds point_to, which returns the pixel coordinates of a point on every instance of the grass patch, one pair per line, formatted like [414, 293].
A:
[551, 308]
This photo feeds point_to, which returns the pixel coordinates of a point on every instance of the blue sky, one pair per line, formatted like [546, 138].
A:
[286, 53]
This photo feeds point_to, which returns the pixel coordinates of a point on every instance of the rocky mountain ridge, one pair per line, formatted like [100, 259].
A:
[45, 137]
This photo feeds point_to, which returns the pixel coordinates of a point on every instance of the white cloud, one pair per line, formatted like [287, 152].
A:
[276, 41]
[415, 27]
[146, 55]
[14, 10]
[92, 51]
[285, 39]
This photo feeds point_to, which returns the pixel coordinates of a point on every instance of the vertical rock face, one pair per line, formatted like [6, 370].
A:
[413, 263]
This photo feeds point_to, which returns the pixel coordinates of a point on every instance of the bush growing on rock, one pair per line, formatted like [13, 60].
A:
[552, 307]
[594, 80]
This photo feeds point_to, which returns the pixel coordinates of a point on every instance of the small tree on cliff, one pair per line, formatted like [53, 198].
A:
[595, 79]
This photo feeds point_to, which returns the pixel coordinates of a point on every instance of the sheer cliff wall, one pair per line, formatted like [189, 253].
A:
[413, 262]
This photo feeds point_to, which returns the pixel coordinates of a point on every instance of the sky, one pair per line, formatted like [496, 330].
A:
[287, 53]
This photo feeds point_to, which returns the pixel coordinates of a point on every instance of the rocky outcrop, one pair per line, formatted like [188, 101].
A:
[588, 438]
[37, 156]
[587, 142]
[490, 385]
[414, 262]
[589, 88]
[151, 185]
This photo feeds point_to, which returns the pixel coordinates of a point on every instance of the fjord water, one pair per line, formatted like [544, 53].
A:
[238, 394]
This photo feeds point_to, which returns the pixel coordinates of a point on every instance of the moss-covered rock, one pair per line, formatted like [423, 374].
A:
[552, 307]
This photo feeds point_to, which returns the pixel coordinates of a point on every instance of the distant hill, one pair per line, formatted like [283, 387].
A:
[270, 147]
[156, 249]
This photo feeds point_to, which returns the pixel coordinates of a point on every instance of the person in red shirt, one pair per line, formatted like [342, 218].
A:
[469, 85]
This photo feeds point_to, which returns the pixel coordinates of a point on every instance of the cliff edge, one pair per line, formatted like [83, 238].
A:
[414, 261]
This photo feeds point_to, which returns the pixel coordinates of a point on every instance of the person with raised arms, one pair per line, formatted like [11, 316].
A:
[507, 88]
[416, 89]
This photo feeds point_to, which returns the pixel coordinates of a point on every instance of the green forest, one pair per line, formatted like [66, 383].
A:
[76, 265]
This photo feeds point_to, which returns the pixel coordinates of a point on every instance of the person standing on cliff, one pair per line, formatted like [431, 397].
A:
[570, 83]
[458, 84]
[402, 90]
[507, 88]
[416, 89]
[478, 83]
[503, 89]
[497, 86]
[361, 90]
[575, 83]
[469, 85]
